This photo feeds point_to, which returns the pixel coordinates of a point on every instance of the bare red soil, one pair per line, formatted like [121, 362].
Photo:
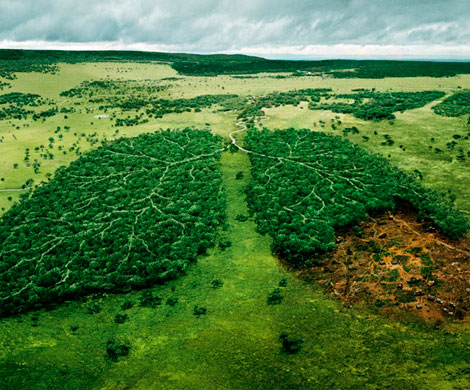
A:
[396, 264]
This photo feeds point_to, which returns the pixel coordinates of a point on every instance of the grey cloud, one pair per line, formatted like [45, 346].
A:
[218, 25]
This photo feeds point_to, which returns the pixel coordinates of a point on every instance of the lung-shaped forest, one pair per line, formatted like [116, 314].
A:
[128, 215]
[137, 211]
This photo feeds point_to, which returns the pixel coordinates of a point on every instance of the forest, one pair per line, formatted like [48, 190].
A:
[89, 89]
[335, 68]
[130, 214]
[306, 185]
[132, 258]
[362, 103]
[254, 106]
[12, 61]
[377, 106]
[455, 105]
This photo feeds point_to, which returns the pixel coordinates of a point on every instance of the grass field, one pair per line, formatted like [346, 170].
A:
[236, 344]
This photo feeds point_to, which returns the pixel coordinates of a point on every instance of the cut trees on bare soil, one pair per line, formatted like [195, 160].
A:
[398, 265]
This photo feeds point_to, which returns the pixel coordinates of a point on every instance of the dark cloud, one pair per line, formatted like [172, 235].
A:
[222, 25]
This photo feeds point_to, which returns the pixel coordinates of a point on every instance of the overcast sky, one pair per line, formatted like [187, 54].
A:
[270, 28]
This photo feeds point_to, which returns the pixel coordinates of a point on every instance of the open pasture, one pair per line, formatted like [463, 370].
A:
[238, 314]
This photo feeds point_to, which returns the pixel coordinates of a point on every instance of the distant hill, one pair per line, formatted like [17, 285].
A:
[12, 61]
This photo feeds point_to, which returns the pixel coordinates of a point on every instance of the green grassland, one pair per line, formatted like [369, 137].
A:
[235, 345]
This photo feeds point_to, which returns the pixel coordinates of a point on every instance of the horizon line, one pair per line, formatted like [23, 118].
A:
[436, 53]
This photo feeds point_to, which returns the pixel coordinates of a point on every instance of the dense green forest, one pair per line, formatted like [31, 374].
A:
[12, 61]
[455, 105]
[376, 106]
[335, 68]
[307, 184]
[130, 214]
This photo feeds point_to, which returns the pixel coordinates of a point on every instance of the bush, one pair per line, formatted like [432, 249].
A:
[126, 305]
[199, 311]
[147, 299]
[217, 283]
[377, 106]
[172, 301]
[290, 345]
[275, 297]
[225, 244]
[114, 351]
[121, 318]
[455, 105]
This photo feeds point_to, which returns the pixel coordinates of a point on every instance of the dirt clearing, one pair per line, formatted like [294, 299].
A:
[396, 264]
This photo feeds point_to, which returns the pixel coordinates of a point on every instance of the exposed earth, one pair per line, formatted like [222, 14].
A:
[396, 263]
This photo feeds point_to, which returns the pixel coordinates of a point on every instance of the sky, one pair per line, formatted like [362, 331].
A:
[294, 29]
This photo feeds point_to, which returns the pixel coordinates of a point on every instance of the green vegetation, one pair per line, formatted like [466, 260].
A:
[275, 297]
[455, 105]
[217, 283]
[172, 301]
[363, 104]
[237, 343]
[336, 68]
[377, 106]
[199, 311]
[147, 299]
[145, 96]
[382, 69]
[121, 318]
[130, 214]
[164, 106]
[20, 99]
[254, 106]
[113, 89]
[114, 351]
[12, 61]
[4, 85]
[289, 344]
[127, 305]
[12, 106]
[307, 184]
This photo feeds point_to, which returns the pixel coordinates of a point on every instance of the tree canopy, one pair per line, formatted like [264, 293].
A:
[455, 105]
[127, 215]
[377, 106]
[305, 185]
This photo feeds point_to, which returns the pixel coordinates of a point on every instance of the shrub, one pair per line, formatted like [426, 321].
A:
[275, 297]
[114, 351]
[290, 345]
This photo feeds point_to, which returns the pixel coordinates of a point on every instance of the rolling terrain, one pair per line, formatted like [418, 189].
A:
[236, 301]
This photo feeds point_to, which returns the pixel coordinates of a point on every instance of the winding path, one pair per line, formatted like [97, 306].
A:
[243, 127]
